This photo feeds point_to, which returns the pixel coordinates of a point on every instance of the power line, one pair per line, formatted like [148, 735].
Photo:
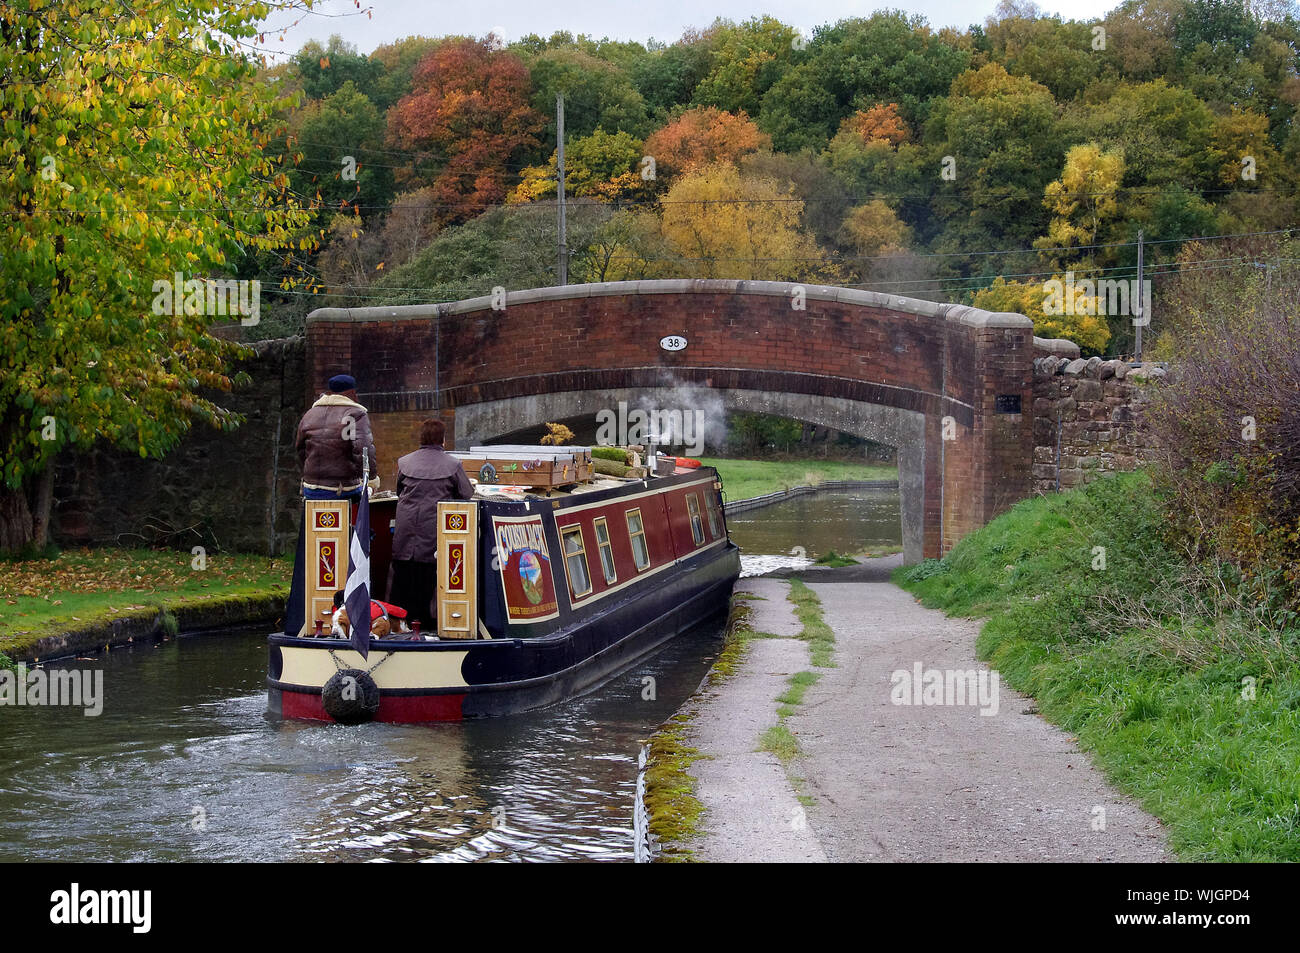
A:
[386, 294]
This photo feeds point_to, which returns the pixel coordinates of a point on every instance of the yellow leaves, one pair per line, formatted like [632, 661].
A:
[733, 225]
[61, 141]
[379, 267]
[874, 230]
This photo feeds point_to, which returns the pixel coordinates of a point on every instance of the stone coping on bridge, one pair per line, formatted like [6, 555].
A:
[963, 314]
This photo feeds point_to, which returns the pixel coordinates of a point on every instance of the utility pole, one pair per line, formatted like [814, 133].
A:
[1139, 317]
[563, 271]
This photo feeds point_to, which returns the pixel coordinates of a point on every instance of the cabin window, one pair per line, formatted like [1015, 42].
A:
[636, 530]
[606, 551]
[711, 505]
[575, 561]
[697, 524]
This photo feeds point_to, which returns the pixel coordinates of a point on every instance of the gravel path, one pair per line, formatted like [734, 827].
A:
[896, 782]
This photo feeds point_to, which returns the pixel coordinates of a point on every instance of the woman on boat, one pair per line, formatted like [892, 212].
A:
[424, 478]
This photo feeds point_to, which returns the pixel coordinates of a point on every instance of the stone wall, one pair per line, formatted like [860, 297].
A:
[1097, 407]
[231, 491]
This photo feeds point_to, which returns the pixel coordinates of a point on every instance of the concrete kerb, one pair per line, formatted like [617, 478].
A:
[963, 314]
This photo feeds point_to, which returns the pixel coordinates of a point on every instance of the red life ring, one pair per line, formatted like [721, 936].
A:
[687, 462]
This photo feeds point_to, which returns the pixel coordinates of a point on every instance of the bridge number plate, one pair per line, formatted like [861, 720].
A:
[673, 342]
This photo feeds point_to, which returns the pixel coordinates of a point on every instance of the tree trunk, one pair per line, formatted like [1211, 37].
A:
[44, 504]
[15, 519]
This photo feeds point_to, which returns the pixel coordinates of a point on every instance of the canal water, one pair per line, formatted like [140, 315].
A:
[183, 764]
[794, 532]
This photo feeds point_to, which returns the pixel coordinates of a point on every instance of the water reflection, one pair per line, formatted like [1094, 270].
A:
[793, 533]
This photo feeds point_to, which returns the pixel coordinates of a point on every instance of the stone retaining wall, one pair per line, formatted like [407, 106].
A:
[1089, 419]
[228, 491]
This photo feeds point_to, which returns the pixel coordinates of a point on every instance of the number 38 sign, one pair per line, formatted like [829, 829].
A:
[673, 342]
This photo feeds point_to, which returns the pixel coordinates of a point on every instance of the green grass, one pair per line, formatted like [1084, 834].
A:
[818, 635]
[743, 479]
[1140, 660]
[792, 697]
[86, 587]
[835, 560]
[778, 740]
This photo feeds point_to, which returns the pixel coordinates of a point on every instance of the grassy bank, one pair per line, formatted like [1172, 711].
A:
[1187, 696]
[86, 587]
[743, 479]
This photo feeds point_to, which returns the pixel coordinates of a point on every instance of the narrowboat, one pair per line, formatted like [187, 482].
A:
[542, 593]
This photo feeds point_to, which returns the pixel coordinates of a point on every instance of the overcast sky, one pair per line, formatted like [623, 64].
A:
[624, 20]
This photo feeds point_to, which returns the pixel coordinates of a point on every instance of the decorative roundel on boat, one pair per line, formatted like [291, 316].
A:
[327, 519]
[456, 521]
[487, 473]
[350, 697]
[530, 574]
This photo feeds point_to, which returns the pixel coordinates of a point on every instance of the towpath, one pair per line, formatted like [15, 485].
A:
[880, 781]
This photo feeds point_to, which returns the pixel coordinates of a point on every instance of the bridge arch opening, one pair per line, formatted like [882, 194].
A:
[901, 429]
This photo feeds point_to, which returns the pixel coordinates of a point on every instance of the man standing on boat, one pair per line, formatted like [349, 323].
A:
[335, 449]
[335, 445]
[424, 478]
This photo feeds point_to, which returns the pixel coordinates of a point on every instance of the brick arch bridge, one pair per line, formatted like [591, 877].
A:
[889, 368]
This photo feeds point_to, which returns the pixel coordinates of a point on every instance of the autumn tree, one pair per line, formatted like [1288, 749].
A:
[1164, 130]
[1081, 201]
[1241, 152]
[467, 117]
[727, 225]
[703, 136]
[880, 123]
[136, 148]
[1077, 321]
[873, 230]
[600, 165]
[1140, 38]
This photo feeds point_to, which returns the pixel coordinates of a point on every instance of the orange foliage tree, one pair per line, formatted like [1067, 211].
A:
[704, 136]
[467, 116]
[880, 122]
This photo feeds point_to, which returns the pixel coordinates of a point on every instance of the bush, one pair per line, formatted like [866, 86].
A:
[1230, 424]
[924, 570]
[617, 454]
